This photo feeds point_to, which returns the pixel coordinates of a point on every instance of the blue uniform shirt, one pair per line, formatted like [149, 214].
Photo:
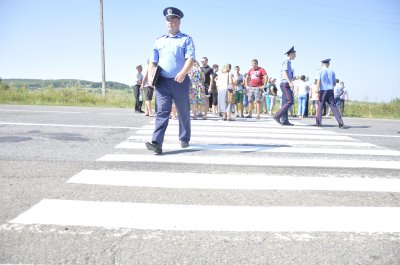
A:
[287, 66]
[327, 79]
[171, 52]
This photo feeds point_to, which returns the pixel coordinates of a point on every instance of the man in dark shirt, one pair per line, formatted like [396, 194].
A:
[208, 71]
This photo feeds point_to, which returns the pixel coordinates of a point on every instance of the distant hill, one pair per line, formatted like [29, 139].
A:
[62, 83]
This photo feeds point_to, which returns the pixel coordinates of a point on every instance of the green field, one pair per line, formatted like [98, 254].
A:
[77, 96]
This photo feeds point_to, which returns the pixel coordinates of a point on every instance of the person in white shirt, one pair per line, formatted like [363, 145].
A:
[136, 89]
[313, 98]
[343, 98]
[302, 92]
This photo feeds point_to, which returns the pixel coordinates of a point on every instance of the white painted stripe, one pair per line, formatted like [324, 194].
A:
[189, 180]
[372, 135]
[253, 135]
[266, 149]
[247, 124]
[68, 125]
[265, 130]
[212, 218]
[252, 161]
[44, 111]
[260, 141]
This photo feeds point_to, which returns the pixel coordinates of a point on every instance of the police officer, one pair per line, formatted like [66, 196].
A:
[281, 116]
[326, 81]
[174, 52]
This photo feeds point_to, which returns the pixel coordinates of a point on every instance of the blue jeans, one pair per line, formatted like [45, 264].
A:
[302, 104]
[268, 102]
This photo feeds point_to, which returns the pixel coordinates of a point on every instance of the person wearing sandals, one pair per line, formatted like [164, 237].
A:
[213, 90]
[238, 80]
[148, 94]
[257, 78]
[197, 94]
[225, 83]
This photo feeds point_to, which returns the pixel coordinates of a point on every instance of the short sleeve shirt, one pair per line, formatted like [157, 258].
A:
[207, 74]
[256, 76]
[139, 77]
[171, 52]
[327, 79]
[287, 67]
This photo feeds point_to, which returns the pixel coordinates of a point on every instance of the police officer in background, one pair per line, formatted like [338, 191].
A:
[174, 52]
[281, 116]
[326, 81]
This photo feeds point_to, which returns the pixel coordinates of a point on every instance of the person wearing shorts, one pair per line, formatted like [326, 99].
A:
[258, 79]
[238, 81]
[148, 91]
[213, 89]
[313, 97]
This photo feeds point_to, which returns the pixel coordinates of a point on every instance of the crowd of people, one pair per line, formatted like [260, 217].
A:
[220, 92]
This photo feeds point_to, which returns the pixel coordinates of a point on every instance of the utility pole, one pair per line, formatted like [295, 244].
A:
[103, 67]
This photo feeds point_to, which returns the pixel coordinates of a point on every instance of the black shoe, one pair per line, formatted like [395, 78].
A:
[155, 147]
[287, 124]
[184, 144]
[141, 111]
[341, 125]
[278, 120]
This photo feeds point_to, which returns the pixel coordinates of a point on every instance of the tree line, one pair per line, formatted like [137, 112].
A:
[58, 83]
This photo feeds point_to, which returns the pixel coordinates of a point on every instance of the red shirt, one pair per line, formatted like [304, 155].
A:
[256, 76]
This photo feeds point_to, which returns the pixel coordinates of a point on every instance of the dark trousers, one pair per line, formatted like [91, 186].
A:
[306, 110]
[168, 90]
[327, 96]
[341, 106]
[136, 94]
[287, 101]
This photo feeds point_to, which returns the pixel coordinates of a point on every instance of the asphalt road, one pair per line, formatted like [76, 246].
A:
[42, 148]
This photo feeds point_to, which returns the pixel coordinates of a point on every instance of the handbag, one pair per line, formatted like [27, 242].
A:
[155, 76]
[230, 96]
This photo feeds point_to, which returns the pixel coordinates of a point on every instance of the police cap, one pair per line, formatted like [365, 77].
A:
[326, 61]
[172, 11]
[290, 51]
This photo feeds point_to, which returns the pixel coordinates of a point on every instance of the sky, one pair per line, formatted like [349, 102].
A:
[60, 39]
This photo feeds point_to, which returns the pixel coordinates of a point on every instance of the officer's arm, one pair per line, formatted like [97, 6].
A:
[145, 78]
[211, 83]
[150, 69]
[186, 68]
[265, 78]
[285, 75]
[246, 81]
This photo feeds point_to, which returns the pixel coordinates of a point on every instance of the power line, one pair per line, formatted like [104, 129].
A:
[311, 15]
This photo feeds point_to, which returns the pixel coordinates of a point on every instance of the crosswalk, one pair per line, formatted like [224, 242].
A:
[247, 155]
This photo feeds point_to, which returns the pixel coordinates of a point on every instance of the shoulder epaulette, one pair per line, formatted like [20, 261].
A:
[162, 36]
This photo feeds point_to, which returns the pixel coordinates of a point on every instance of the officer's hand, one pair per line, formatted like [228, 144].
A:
[180, 77]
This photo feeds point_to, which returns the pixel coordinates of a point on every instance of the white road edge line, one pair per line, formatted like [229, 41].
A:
[68, 125]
